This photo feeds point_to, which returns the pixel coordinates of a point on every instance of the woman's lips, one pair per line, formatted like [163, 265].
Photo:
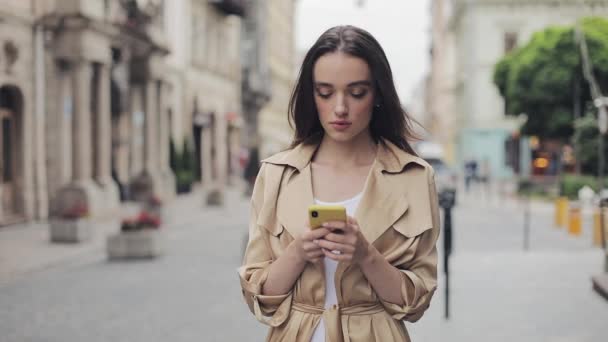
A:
[340, 125]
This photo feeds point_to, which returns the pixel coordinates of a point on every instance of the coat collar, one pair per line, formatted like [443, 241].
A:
[384, 200]
[391, 158]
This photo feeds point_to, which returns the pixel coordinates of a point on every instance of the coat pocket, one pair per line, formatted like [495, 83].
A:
[411, 227]
[275, 229]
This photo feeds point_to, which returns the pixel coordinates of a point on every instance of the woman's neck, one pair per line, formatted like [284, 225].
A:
[360, 151]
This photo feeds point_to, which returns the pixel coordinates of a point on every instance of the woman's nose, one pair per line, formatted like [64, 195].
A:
[341, 108]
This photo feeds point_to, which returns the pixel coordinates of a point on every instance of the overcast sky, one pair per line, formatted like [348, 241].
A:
[401, 26]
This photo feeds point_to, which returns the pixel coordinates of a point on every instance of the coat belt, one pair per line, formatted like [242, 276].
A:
[331, 316]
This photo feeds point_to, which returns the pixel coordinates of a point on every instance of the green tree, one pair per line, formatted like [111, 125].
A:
[586, 134]
[541, 77]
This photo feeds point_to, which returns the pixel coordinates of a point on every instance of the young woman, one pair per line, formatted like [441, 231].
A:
[353, 281]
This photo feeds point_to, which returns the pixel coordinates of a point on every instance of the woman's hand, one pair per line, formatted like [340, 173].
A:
[306, 248]
[345, 242]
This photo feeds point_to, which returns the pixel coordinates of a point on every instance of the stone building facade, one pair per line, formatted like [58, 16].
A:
[274, 129]
[205, 70]
[106, 111]
[91, 93]
[83, 100]
[20, 142]
[468, 38]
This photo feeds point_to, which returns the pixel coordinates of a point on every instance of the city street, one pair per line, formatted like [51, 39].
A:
[499, 292]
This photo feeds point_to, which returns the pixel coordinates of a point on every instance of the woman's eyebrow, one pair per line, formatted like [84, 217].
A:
[360, 83]
[352, 84]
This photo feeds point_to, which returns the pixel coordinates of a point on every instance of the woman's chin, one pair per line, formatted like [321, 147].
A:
[341, 137]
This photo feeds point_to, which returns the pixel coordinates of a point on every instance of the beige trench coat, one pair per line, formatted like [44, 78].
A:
[398, 213]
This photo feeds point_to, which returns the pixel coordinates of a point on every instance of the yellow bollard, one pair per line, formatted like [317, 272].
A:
[597, 234]
[561, 212]
[575, 221]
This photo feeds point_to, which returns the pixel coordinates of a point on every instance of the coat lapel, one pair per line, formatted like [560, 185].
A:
[384, 200]
[294, 199]
[382, 204]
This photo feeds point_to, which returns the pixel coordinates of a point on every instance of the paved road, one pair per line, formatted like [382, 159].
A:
[499, 292]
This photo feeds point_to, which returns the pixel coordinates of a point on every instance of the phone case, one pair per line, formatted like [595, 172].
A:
[319, 214]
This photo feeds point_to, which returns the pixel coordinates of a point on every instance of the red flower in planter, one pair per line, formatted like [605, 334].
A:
[78, 210]
[148, 220]
[143, 220]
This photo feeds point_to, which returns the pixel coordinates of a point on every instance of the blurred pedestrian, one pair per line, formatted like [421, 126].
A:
[470, 173]
[360, 279]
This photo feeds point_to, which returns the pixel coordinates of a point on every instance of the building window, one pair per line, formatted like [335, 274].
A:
[199, 34]
[510, 41]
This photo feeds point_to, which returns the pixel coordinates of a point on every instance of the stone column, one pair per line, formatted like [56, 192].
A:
[164, 136]
[207, 159]
[104, 143]
[216, 190]
[81, 122]
[82, 188]
[149, 182]
[151, 145]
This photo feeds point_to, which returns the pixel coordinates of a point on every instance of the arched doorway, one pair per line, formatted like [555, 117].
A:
[11, 109]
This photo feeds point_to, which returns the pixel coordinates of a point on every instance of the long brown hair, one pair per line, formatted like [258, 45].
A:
[389, 120]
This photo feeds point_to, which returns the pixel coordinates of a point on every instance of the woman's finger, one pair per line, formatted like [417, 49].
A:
[310, 246]
[337, 257]
[333, 225]
[336, 237]
[315, 254]
[333, 246]
[351, 220]
[315, 234]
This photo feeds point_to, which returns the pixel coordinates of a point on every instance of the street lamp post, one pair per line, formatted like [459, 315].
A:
[601, 103]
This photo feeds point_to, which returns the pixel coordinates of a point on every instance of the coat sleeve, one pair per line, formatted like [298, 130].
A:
[270, 310]
[418, 266]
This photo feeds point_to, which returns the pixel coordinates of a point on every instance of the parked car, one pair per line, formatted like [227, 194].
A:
[446, 179]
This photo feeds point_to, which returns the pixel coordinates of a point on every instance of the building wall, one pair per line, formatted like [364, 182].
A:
[67, 134]
[478, 29]
[16, 21]
[205, 76]
[107, 101]
[274, 128]
[439, 103]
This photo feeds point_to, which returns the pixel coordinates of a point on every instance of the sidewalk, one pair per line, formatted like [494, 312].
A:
[26, 248]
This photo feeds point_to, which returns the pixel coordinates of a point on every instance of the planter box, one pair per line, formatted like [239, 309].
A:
[70, 231]
[160, 212]
[142, 244]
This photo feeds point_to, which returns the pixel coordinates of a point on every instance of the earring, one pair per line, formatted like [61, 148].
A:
[377, 105]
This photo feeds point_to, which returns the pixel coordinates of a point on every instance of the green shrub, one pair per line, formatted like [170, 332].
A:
[184, 180]
[536, 188]
[183, 164]
[174, 157]
[571, 184]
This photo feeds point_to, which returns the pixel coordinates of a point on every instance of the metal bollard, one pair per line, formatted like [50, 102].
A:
[575, 221]
[561, 212]
[447, 200]
[597, 226]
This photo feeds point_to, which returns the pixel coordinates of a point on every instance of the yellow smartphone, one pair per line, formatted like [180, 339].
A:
[319, 214]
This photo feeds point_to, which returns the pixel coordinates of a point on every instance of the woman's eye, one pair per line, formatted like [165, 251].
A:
[324, 95]
[358, 93]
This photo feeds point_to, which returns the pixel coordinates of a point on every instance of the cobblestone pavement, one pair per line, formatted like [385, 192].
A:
[498, 291]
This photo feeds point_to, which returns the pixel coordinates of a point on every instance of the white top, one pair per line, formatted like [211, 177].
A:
[331, 266]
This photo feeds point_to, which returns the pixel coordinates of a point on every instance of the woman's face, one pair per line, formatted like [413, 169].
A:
[344, 95]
